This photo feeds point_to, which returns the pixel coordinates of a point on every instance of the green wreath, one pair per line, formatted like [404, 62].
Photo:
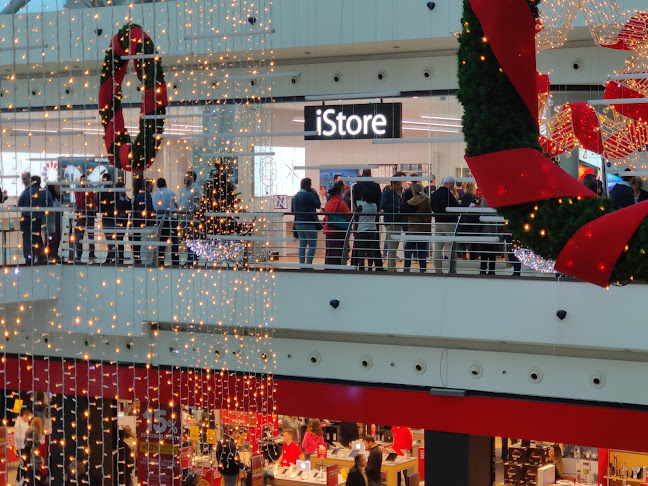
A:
[125, 154]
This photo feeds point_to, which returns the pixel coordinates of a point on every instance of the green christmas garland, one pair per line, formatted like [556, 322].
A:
[495, 119]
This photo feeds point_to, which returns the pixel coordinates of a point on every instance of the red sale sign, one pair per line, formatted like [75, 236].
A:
[332, 475]
[257, 470]
[321, 450]
[158, 437]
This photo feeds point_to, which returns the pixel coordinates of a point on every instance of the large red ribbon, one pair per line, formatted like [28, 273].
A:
[592, 252]
[520, 176]
[509, 28]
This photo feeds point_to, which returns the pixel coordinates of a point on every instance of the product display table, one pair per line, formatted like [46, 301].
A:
[290, 478]
[391, 469]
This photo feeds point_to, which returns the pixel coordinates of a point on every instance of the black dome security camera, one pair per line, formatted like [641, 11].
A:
[334, 303]
[561, 314]
[431, 5]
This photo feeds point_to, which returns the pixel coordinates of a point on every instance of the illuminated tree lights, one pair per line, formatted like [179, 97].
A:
[218, 199]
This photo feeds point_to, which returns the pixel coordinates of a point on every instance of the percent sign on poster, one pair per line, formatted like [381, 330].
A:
[161, 424]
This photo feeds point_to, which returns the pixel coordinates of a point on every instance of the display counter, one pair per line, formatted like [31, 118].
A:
[391, 469]
[284, 476]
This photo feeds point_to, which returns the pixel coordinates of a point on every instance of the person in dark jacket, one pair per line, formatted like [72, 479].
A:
[621, 193]
[407, 193]
[122, 207]
[374, 193]
[390, 203]
[445, 223]
[417, 224]
[469, 223]
[31, 222]
[357, 475]
[125, 460]
[374, 463]
[359, 187]
[227, 457]
[143, 213]
[348, 433]
[108, 220]
[54, 229]
[305, 204]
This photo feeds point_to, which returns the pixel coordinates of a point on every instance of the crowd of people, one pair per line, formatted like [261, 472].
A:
[108, 208]
[407, 215]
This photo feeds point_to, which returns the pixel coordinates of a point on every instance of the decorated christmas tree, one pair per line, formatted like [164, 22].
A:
[212, 233]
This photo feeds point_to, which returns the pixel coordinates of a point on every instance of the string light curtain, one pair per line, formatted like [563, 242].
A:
[133, 372]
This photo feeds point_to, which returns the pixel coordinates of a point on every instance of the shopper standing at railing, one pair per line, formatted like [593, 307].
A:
[143, 213]
[445, 223]
[108, 218]
[373, 197]
[31, 222]
[305, 205]
[417, 224]
[123, 206]
[469, 223]
[407, 193]
[367, 244]
[390, 203]
[166, 208]
[86, 207]
[336, 225]
[53, 220]
[24, 200]
[429, 190]
[188, 204]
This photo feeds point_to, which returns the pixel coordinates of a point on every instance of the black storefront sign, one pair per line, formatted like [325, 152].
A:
[349, 122]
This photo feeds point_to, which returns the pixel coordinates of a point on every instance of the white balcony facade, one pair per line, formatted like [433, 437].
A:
[458, 332]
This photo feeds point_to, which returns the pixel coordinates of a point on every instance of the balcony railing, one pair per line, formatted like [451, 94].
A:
[474, 241]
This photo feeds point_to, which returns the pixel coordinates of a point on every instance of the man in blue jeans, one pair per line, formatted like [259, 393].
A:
[305, 205]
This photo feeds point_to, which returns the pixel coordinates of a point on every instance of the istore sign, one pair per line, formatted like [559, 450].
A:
[342, 122]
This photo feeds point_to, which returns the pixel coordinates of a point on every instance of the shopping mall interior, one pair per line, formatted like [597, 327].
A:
[172, 318]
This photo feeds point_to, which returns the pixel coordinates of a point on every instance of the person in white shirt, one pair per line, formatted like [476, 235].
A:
[20, 430]
[166, 208]
[367, 234]
[190, 196]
